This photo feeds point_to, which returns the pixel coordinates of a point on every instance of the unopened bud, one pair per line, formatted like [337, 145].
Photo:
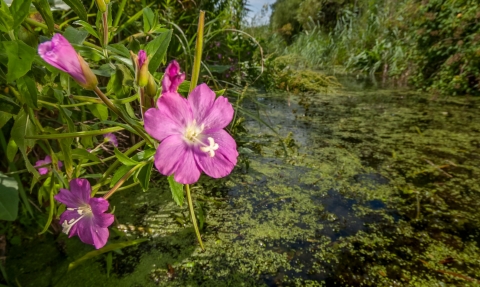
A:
[91, 81]
[151, 88]
[102, 5]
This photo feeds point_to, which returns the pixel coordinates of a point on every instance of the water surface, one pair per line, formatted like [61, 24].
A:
[365, 187]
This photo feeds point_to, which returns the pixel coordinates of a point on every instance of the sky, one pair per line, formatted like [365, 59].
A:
[256, 6]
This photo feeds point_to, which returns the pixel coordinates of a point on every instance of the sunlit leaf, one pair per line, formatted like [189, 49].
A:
[177, 190]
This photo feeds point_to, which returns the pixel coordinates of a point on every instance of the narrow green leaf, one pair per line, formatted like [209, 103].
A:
[22, 128]
[107, 248]
[51, 211]
[77, 134]
[75, 36]
[65, 146]
[144, 154]
[144, 176]
[177, 190]
[28, 91]
[78, 8]
[8, 198]
[87, 27]
[43, 8]
[220, 92]
[12, 150]
[6, 19]
[148, 19]
[119, 49]
[99, 111]
[119, 173]
[20, 58]
[124, 159]
[157, 49]
[4, 117]
[7, 105]
[19, 10]
[84, 154]
[109, 260]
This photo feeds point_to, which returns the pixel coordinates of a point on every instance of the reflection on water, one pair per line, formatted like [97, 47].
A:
[369, 186]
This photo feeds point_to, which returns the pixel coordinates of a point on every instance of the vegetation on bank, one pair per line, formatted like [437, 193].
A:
[433, 45]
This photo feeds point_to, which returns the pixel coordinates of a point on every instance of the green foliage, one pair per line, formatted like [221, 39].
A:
[8, 198]
[434, 44]
[447, 36]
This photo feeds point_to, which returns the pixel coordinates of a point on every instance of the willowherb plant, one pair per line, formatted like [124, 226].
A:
[54, 116]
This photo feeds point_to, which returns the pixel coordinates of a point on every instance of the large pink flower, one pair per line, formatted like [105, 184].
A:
[192, 133]
[85, 216]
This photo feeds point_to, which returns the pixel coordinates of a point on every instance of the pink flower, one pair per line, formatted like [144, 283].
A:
[59, 53]
[142, 56]
[45, 170]
[85, 216]
[172, 78]
[110, 137]
[192, 134]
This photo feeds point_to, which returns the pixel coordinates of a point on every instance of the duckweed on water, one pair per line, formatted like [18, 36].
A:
[369, 188]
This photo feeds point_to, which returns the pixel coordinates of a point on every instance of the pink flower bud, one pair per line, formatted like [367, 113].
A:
[59, 53]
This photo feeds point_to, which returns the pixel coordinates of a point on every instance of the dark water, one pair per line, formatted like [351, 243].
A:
[365, 187]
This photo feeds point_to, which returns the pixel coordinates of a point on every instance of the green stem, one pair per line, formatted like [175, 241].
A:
[192, 216]
[123, 179]
[198, 51]
[115, 165]
[121, 7]
[112, 107]
[76, 134]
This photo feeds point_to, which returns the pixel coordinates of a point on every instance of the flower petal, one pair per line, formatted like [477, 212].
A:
[176, 108]
[59, 53]
[159, 126]
[84, 229]
[100, 237]
[201, 101]
[81, 189]
[220, 115]
[225, 157]
[43, 170]
[98, 205]
[187, 171]
[170, 153]
[68, 198]
[172, 78]
[92, 233]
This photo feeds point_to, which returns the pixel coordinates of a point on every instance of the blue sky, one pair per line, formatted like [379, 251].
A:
[256, 6]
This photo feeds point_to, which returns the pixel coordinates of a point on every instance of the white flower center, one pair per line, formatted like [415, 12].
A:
[83, 211]
[193, 131]
[193, 134]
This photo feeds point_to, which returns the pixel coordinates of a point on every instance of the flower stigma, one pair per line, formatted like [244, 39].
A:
[211, 148]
